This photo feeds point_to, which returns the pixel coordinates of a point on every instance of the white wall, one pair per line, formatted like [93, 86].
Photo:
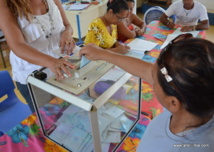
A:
[208, 3]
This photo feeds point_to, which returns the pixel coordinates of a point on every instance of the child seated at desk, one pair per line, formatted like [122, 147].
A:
[103, 30]
[126, 29]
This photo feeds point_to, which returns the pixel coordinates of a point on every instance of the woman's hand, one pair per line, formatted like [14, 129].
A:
[60, 67]
[120, 48]
[92, 52]
[67, 43]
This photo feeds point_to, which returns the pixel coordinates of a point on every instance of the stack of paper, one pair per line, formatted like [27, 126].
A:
[78, 7]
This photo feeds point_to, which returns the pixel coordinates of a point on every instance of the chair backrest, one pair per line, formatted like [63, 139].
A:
[6, 84]
[153, 13]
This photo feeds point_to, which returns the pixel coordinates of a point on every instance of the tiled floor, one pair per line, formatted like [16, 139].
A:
[209, 36]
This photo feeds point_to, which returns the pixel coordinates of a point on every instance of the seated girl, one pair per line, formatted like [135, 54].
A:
[126, 29]
[103, 30]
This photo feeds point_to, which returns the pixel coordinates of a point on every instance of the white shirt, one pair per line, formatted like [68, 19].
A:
[187, 17]
[36, 38]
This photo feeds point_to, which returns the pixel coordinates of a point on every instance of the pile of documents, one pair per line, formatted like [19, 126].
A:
[73, 128]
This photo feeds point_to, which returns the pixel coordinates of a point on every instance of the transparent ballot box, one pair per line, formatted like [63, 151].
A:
[92, 111]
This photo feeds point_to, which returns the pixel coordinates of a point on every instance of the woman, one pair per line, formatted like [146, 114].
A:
[33, 29]
[103, 30]
[183, 81]
[132, 26]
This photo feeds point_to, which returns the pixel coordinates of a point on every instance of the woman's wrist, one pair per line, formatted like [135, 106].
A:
[68, 28]
[50, 62]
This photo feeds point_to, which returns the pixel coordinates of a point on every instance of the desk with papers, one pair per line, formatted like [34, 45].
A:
[97, 119]
[157, 33]
[28, 137]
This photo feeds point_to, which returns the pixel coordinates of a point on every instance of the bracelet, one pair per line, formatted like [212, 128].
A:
[167, 23]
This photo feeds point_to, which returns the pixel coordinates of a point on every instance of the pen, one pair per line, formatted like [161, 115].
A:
[121, 42]
[146, 52]
[71, 54]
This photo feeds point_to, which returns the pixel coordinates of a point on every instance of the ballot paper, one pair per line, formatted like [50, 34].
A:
[76, 139]
[61, 132]
[114, 112]
[84, 61]
[73, 128]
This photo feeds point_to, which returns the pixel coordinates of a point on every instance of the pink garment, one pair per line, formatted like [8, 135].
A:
[122, 37]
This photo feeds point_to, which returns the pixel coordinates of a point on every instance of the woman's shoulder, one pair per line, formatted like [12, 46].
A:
[97, 21]
[132, 17]
[162, 117]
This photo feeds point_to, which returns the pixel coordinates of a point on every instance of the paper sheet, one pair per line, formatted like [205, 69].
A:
[84, 61]
[61, 132]
[169, 38]
[76, 139]
[76, 7]
[178, 32]
[113, 137]
[114, 112]
[140, 46]
[134, 54]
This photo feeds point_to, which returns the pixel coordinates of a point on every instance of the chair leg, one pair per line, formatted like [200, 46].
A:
[2, 56]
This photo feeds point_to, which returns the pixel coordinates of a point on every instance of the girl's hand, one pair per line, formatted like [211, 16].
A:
[138, 31]
[60, 67]
[67, 42]
[121, 48]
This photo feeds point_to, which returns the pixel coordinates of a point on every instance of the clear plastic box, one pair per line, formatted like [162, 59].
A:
[97, 117]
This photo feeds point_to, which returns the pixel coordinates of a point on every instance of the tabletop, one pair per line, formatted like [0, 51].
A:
[155, 32]
[27, 136]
